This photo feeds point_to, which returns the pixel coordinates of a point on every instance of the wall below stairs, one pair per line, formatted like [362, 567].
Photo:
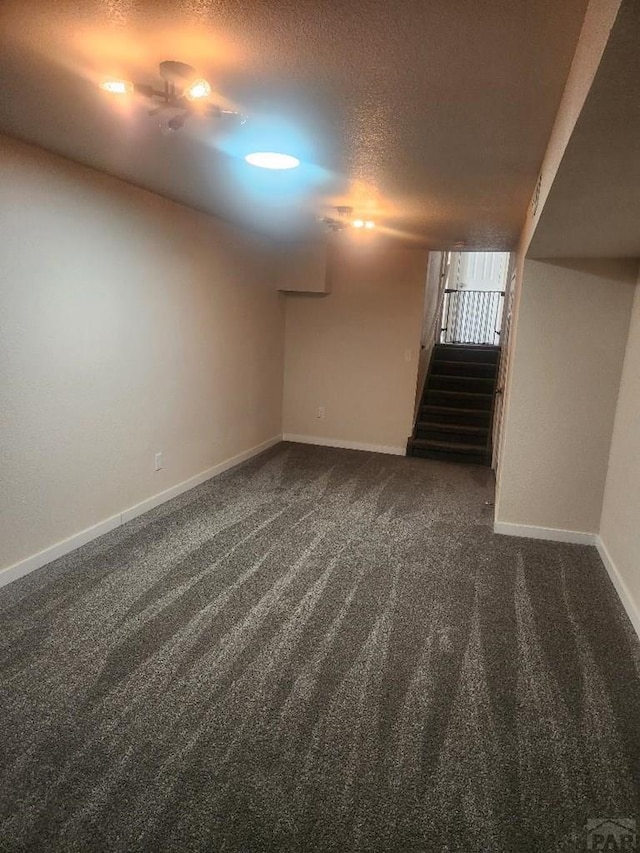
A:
[355, 351]
[572, 324]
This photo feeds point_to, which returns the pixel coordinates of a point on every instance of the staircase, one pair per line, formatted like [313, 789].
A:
[454, 420]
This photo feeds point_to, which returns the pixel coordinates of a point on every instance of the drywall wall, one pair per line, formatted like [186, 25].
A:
[129, 326]
[355, 352]
[565, 367]
[620, 523]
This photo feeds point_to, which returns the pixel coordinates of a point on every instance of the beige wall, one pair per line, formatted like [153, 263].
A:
[620, 524]
[566, 363]
[129, 325]
[355, 352]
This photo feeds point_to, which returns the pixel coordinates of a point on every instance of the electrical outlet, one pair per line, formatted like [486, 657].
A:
[158, 461]
[320, 411]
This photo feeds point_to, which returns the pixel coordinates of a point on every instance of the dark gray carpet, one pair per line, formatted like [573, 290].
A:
[322, 650]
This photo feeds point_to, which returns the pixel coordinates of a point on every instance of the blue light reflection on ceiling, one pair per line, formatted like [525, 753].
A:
[270, 187]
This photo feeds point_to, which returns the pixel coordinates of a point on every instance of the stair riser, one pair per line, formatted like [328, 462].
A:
[440, 398]
[479, 356]
[452, 435]
[468, 418]
[470, 458]
[463, 368]
[461, 383]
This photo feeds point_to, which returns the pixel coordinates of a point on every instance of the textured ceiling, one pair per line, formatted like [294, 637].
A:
[593, 207]
[431, 116]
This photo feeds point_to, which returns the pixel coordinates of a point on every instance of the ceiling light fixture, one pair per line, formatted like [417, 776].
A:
[183, 93]
[343, 219]
[198, 90]
[272, 160]
[117, 87]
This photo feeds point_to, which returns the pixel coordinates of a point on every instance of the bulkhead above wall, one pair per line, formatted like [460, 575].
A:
[303, 268]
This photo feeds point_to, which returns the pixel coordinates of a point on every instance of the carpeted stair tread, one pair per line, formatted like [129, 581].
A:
[455, 415]
[472, 429]
[453, 410]
[463, 368]
[428, 443]
[477, 354]
[450, 382]
[438, 361]
[480, 381]
[470, 394]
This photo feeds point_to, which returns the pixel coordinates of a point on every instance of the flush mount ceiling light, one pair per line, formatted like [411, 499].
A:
[344, 219]
[182, 92]
[272, 160]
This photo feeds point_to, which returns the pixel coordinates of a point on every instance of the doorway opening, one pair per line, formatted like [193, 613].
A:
[466, 325]
[473, 303]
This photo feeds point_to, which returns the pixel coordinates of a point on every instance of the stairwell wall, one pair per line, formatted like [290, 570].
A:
[566, 365]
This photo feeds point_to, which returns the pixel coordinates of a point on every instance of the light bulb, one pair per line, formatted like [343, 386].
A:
[358, 223]
[198, 90]
[369, 224]
[272, 160]
[117, 87]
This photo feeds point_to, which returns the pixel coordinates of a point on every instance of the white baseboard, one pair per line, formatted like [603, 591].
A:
[621, 588]
[393, 450]
[551, 534]
[37, 561]
[192, 482]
